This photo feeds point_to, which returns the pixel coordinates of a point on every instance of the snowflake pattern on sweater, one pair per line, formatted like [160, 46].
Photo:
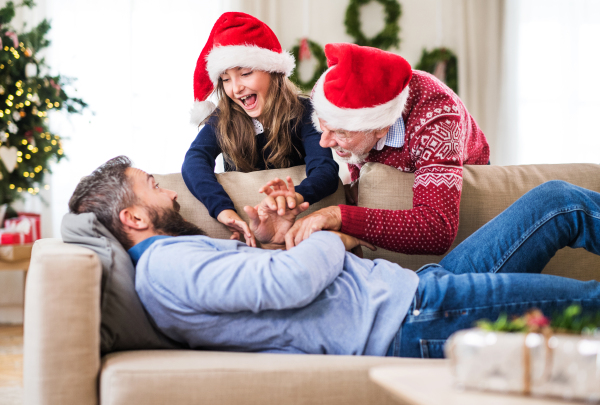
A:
[441, 137]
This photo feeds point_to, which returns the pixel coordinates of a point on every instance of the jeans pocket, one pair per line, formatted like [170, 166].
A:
[432, 348]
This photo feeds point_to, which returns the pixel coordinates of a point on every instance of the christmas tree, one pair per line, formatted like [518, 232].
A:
[27, 146]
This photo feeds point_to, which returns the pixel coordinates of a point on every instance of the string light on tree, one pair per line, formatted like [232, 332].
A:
[27, 146]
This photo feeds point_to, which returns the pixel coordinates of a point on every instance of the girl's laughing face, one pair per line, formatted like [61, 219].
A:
[248, 88]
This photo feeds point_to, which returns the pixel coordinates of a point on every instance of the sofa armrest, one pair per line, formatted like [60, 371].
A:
[62, 325]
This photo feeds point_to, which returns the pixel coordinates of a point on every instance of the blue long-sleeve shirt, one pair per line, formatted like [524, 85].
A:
[199, 164]
[314, 298]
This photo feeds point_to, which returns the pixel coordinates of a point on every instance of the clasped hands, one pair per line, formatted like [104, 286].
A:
[273, 221]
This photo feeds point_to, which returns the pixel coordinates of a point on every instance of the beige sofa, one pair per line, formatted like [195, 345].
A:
[62, 363]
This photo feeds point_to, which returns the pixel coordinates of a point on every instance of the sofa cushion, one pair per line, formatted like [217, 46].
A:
[124, 323]
[487, 191]
[203, 377]
[242, 188]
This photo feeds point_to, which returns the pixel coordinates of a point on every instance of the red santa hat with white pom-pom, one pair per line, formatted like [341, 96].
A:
[236, 40]
[364, 88]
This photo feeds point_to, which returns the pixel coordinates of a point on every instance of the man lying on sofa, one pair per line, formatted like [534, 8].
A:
[318, 298]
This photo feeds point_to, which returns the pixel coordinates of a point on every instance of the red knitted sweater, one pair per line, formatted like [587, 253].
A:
[441, 136]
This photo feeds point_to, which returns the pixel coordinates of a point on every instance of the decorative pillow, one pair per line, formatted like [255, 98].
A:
[125, 324]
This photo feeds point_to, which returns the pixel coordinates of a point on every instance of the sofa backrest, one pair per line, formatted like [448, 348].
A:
[242, 188]
[486, 192]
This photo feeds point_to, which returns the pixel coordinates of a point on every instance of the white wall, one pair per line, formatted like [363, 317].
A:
[424, 23]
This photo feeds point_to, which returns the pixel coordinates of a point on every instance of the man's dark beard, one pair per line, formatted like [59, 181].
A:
[168, 221]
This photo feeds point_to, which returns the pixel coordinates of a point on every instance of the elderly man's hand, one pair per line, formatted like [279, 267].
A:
[329, 218]
[268, 226]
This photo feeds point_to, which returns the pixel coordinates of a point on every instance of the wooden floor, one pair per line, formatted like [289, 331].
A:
[11, 365]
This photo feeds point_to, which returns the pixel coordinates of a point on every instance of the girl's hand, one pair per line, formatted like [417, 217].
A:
[283, 195]
[237, 226]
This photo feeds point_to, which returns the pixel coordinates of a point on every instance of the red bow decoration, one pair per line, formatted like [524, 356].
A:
[56, 87]
[13, 36]
[304, 52]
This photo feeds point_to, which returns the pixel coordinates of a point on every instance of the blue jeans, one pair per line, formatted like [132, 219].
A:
[496, 270]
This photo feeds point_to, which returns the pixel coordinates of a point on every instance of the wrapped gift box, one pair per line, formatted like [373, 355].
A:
[565, 366]
[25, 228]
[11, 238]
[15, 253]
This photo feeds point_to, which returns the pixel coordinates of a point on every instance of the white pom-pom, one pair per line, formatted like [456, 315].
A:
[200, 110]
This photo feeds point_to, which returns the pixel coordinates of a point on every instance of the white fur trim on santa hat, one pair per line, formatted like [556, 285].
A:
[315, 121]
[355, 119]
[222, 58]
[200, 110]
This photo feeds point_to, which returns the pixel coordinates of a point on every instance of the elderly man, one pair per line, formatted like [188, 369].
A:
[317, 298]
[372, 107]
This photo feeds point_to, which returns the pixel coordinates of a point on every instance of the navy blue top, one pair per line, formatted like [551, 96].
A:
[199, 164]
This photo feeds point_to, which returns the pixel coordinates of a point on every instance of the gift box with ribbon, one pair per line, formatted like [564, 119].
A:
[11, 238]
[25, 228]
[537, 364]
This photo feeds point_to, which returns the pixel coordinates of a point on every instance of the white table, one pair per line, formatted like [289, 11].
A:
[432, 384]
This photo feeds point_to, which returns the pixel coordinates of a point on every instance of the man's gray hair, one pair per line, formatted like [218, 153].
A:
[106, 192]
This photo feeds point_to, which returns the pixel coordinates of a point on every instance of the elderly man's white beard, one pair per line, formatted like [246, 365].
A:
[353, 159]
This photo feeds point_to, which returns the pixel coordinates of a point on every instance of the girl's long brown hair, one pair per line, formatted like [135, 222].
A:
[281, 114]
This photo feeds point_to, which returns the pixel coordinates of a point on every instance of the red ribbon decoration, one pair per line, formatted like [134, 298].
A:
[304, 52]
[56, 87]
[13, 36]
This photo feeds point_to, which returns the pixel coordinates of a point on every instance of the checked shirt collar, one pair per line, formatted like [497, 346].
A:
[394, 138]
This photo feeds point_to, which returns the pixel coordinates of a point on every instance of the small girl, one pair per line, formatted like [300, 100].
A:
[261, 122]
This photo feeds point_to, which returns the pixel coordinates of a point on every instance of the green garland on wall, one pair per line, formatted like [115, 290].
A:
[317, 52]
[430, 62]
[388, 37]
